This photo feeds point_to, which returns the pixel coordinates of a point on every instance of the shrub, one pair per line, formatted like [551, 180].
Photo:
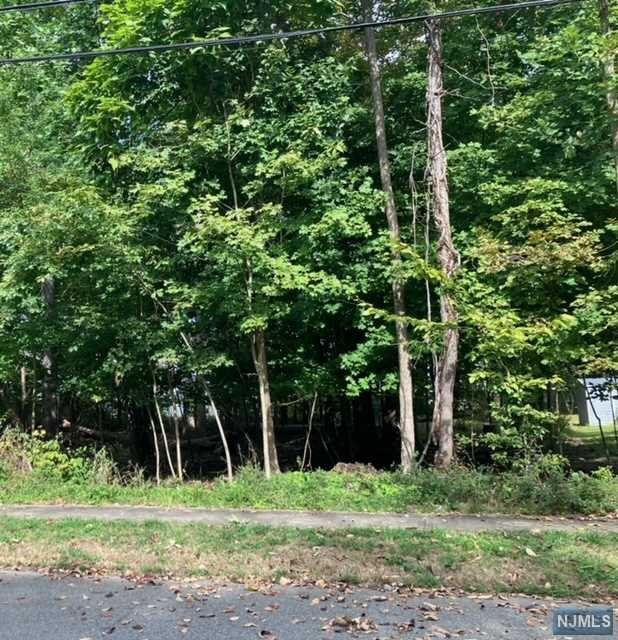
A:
[548, 487]
[34, 454]
[14, 453]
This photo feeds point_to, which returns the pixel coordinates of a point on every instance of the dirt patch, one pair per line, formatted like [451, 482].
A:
[288, 560]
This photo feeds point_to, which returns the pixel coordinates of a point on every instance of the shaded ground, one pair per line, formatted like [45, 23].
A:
[586, 451]
[37, 606]
[314, 520]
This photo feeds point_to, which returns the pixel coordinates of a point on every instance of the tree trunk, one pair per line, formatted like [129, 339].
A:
[609, 75]
[448, 257]
[258, 349]
[155, 439]
[50, 410]
[33, 398]
[100, 434]
[24, 395]
[215, 412]
[162, 426]
[406, 404]
[307, 447]
[176, 420]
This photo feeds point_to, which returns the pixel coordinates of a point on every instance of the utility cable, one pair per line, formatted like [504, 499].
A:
[34, 6]
[269, 37]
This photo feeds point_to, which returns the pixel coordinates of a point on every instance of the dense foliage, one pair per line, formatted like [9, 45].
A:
[167, 220]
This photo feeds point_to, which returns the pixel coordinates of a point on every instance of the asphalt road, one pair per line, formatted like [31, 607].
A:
[38, 607]
[313, 519]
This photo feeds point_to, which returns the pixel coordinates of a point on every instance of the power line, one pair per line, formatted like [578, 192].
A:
[269, 37]
[34, 6]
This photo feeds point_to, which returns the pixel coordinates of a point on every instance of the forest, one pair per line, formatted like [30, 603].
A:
[393, 245]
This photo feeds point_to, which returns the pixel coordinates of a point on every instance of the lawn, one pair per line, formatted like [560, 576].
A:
[585, 449]
[590, 435]
[556, 564]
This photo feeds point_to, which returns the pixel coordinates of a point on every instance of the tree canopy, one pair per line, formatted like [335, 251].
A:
[210, 224]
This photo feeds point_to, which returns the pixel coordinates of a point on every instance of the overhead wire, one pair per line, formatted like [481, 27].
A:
[281, 35]
[35, 6]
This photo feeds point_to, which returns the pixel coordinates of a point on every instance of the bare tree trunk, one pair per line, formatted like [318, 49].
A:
[446, 370]
[156, 446]
[24, 394]
[213, 406]
[307, 447]
[260, 362]
[258, 349]
[226, 448]
[50, 411]
[406, 400]
[609, 77]
[162, 425]
[215, 412]
[176, 419]
[34, 392]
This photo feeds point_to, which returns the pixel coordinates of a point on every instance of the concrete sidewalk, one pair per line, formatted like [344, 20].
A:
[313, 520]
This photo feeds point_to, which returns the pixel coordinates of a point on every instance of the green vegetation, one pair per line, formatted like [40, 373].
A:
[198, 230]
[459, 489]
[197, 275]
[34, 469]
[558, 564]
[586, 441]
[586, 448]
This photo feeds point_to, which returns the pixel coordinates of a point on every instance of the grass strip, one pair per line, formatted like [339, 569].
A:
[556, 564]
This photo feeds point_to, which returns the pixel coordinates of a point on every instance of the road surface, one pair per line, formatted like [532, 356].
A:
[40, 607]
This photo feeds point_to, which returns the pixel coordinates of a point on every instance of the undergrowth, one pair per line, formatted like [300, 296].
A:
[38, 470]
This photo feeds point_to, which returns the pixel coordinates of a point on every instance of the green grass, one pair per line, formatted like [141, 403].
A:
[461, 489]
[589, 432]
[556, 564]
[590, 435]
[584, 446]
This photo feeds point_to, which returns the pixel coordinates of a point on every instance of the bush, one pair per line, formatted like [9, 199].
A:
[14, 454]
[24, 454]
[548, 487]
[545, 487]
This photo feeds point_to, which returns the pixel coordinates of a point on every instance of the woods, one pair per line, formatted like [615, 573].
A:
[384, 245]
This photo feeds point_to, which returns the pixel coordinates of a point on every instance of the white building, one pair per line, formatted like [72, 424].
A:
[597, 400]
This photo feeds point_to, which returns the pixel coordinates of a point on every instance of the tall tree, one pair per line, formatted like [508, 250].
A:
[437, 177]
[406, 403]
[609, 77]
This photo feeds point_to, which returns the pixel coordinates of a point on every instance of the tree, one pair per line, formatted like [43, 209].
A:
[609, 77]
[406, 406]
[446, 369]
